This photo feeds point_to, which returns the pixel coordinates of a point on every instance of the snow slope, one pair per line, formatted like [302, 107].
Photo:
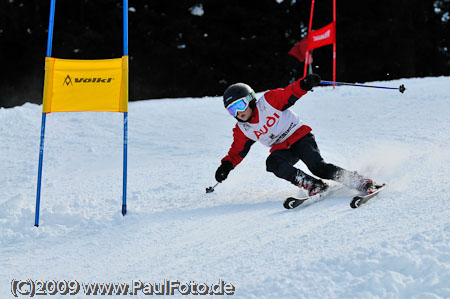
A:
[397, 246]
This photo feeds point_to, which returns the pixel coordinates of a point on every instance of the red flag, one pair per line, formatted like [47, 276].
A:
[322, 37]
[299, 49]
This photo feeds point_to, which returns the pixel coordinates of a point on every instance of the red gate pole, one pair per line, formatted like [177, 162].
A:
[309, 34]
[334, 44]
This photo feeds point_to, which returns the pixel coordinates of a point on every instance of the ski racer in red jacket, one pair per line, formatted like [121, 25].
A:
[270, 121]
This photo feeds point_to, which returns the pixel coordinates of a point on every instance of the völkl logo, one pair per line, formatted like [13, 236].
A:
[68, 80]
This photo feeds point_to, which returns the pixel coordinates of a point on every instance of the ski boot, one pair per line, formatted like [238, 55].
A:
[354, 180]
[366, 186]
[311, 184]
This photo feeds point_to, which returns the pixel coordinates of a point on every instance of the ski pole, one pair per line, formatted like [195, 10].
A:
[211, 189]
[401, 88]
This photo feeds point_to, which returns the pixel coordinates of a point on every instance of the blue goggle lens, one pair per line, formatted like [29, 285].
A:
[237, 106]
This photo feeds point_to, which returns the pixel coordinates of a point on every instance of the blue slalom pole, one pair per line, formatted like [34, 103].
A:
[125, 114]
[41, 156]
[401, 88]
[125, 150]
[44, 116]
[50, 28]
[125, 27]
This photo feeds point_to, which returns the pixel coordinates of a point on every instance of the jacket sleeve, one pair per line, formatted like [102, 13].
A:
[239, 148]
[283, 98]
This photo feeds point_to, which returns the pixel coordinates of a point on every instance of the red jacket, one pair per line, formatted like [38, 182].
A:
[280, 99]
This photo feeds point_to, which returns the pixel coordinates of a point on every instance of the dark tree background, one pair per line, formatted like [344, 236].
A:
[174, 53]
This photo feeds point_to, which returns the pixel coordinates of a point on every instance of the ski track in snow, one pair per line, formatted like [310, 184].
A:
[397, 246]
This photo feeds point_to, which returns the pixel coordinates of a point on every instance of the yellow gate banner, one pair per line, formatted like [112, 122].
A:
[85, 85]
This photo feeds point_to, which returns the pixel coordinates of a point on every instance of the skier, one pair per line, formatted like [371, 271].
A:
[270, 121]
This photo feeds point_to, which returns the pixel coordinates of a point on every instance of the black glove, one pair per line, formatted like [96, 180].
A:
[223, 171]
[310, 81]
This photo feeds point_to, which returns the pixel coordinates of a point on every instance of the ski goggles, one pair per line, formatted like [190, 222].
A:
[240, 104]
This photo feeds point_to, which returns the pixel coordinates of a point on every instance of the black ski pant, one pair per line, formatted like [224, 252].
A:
[281, 162]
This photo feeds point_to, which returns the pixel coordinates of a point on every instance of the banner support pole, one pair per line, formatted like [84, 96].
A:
[125, 114]
[41, 156]
[125, 150]
[44, 116]
[50, 28]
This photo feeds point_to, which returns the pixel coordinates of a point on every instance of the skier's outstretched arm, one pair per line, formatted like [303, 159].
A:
[239, 149]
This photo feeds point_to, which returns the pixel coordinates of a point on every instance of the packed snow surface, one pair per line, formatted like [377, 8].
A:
[396, 246]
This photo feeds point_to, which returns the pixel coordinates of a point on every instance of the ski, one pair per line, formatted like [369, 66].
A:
[359, 200]
[293, 202]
